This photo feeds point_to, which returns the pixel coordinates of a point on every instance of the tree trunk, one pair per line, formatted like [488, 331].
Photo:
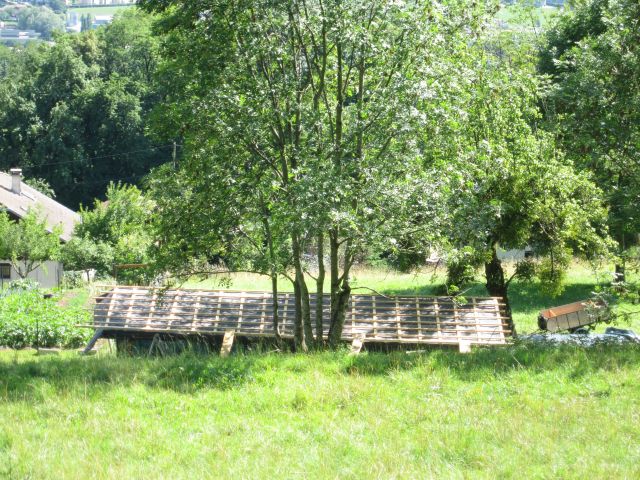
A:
[302, 294]
[298, 331]
[496, 284]
[338, 314]
[320, 293]
[305, 305]
[620, 275]
[274, 303]
[274, 276]
[334, 267]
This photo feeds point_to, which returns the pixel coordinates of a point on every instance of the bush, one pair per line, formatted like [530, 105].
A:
[28, 319]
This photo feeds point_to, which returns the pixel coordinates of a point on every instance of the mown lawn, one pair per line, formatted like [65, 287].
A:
[516, 412]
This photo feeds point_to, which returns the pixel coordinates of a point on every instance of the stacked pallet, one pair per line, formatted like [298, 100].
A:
[374, 318]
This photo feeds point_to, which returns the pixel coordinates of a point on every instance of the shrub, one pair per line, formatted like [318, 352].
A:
[29, 319]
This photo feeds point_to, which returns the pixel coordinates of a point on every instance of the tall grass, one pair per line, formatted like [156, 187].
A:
[517, 412]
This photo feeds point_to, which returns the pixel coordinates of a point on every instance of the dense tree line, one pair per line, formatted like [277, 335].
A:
[592, 58]
[74, 113]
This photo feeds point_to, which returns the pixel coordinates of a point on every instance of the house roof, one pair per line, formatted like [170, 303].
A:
[29, 198]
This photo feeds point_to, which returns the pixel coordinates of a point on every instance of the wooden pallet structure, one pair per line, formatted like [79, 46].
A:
[369, 319]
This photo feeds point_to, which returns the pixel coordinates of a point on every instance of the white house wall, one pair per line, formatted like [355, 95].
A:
[48, 275]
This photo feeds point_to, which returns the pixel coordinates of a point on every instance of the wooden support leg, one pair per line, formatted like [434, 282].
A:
[156, 339]
[356, 345]
[464, 346]
[92, 342]
[227, 343]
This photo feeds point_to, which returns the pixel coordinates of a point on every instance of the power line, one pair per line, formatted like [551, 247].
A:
[66, 162]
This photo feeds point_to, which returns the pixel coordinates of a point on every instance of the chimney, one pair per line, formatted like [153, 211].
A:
[16, 180]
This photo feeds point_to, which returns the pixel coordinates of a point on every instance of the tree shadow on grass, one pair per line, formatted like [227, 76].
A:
[528, 297]
[20, 380]
[36, 379]
[488, 362]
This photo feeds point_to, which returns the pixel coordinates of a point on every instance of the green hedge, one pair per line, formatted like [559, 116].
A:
[27, 319]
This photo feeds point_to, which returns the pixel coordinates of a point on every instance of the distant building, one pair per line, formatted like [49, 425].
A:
[14, 35]
[17, 198]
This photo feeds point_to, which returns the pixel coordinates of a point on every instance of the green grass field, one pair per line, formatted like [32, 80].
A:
[520, 411]
[517, 412]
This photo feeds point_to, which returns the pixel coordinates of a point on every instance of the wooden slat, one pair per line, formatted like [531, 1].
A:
[385, 319]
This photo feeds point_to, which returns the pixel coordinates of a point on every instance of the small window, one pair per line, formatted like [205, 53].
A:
[5, 271]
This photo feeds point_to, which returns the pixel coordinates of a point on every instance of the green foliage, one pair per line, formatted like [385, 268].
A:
[41, 185]
[27, 319]
[508, 185]
[28, 243]
[462, 267]
[114, 231]
[552, 271]
[303, 124]
[593, 102]
[41, 19]
[82, 253]
[74, 113]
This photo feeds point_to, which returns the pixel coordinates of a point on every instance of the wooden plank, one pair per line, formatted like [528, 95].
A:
[419, 318]
[356, 344]
[392, 339]
[398, 319]
[390, 305]
[257, 293]
[194, 319]
[406, 318]
[353, 316]
[240, 308]
[285, 308]
[375, 319]
[475, 315]
[455, 317]
[382, 330]
[227, 343]
[262, 317]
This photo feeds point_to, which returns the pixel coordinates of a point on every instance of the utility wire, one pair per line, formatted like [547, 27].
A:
[66, 162]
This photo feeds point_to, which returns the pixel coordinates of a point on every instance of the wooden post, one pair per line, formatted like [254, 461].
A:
[464, 346]
[92, 342]
[227, 343]
[356, 344]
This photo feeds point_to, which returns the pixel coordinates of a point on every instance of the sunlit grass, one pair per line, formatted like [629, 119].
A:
[517, 412]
